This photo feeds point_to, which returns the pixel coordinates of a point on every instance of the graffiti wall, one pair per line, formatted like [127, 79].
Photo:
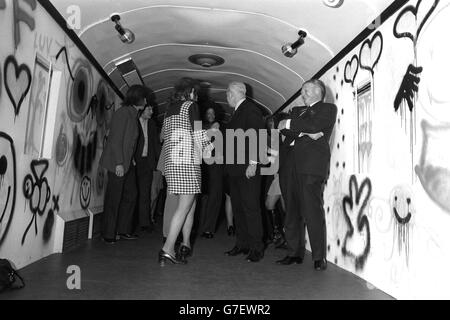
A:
[387, 197]
[35, 190]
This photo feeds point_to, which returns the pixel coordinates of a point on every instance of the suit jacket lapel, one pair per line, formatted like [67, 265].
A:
[236, 112]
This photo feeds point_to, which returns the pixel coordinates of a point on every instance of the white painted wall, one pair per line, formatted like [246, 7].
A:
[62, 196]
[409, 159]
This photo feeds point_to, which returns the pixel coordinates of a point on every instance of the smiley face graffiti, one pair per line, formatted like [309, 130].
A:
[7, 183]
[85, 192]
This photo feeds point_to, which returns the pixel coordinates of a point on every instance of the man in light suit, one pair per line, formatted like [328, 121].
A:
[310, 169]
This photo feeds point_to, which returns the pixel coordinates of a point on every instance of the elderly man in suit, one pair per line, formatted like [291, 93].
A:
[242, 169]
[309, 169]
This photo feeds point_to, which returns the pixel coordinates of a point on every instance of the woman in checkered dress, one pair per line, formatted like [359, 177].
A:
[182, 159]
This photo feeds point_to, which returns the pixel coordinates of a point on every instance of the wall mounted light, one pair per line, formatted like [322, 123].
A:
[126, 35]
[290, 49]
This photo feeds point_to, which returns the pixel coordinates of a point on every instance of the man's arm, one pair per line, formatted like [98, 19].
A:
[255, 121]
[116, 135]
[324, 117]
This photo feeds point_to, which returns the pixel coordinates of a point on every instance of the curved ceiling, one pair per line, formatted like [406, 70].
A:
[248, 34]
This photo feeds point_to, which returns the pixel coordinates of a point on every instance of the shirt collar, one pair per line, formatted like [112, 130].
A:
[314, 103]
[239, 103]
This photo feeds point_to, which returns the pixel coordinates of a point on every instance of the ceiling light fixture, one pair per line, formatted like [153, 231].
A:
[290, 49]
[206, 60]
[126, 35]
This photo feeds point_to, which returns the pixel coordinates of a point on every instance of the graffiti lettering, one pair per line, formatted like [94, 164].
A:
[43, 43]
[408, 88]
[21, 15]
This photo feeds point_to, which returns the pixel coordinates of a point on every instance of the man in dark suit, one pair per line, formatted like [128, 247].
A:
[117, 158]
[311, 161]
[242, 169]
[286, 169]
[146, 156]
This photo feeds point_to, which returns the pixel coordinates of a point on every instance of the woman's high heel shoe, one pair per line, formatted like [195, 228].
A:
[231, 231]
[184, 252]
[163, 257]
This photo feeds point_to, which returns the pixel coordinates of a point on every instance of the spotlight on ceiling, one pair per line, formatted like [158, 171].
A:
[333, 3]
[126, 35]
[290, 49]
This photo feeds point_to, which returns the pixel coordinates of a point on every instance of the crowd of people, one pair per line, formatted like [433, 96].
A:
[194, 160]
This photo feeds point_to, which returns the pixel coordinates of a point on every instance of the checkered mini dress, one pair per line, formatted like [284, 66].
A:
[182, 153]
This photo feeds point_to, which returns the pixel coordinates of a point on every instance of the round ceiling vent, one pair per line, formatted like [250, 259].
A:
[206, 60]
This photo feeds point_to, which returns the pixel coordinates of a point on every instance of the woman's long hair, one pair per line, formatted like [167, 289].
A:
[183, 89]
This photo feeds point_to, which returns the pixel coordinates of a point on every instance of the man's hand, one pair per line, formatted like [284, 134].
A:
[251, 171]
[314, 136]
[282, 124]
[119, 170]
[207, 151]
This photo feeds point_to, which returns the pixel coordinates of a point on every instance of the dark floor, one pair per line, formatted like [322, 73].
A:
[129, 270]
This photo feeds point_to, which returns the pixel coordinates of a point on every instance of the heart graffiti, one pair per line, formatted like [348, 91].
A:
[351, 70]
[17, 82]
[370, 52]
[420, 14]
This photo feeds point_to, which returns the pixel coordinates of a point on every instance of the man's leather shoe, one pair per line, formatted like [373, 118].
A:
[128, 236]
[282, 245]
[255, 256]
[235, 251]
[207, 235]
[109, 241]
[320, 265]
[290, 260]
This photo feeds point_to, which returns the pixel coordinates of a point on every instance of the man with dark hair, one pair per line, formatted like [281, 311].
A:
[309, 170]
[117, 158]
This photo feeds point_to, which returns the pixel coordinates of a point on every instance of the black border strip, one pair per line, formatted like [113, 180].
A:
[385, 15]
[56, 15]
